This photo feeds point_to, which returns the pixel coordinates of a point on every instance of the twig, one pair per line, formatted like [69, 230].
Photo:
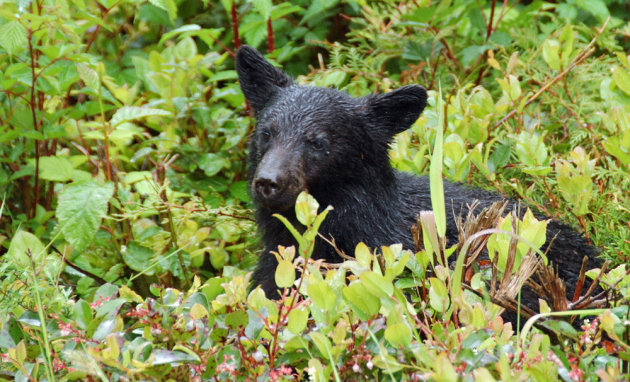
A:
[237, 41]
[269, 36]
[489, 31]
[341, 253]
[99, 279]
[583, 55]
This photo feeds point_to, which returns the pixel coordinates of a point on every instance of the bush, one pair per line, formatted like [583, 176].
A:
[126, 228]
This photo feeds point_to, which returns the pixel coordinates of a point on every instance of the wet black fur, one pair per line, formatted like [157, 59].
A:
[336, 147]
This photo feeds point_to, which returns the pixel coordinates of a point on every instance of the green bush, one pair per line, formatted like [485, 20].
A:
[126, 227]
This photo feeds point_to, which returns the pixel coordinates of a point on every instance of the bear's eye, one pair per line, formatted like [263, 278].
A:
[318, 144]
[265, 135]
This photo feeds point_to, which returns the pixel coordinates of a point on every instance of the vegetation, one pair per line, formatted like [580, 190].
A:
[126, 229]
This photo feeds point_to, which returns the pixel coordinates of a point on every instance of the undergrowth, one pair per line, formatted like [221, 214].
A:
[126, 229]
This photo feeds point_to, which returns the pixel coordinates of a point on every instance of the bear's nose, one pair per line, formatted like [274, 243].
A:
[267, 186]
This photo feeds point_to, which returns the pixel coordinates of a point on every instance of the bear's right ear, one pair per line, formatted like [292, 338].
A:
[396, 111]
[258, 78]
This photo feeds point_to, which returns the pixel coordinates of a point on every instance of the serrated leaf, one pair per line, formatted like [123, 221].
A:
[89, 76]
[130, 113]
[80, 209]
[263, 7]
[13, 37]
[167, 5]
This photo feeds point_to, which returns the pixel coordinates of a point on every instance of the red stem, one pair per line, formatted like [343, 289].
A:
[269, 36]
[489, 31]
[237, 41]
[33, 105]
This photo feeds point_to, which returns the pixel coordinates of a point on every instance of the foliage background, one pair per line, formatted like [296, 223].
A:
[123, 181]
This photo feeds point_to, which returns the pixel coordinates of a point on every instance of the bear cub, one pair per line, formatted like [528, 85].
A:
[336, 147]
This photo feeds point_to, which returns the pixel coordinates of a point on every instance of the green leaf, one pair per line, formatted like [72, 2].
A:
[236, 319]
[321, 342]
[240, 190]
[182, 29]
[167, 5]
[82, 314]
[130, 113]
[322, 295]
[212, 163]
[566, 38]
[436, 183]
[89, 76]
[551, 54]
[438, 295]
[335, 79]
[444, 369]
[398, 334]
[377, 284]
[263, 7]
[23, 245]
[306, 208]
[284, 9]
[162, 357]
[80, 209]
[363, 255]
[621, 78]
[285, 274]
[55, 169]
[364, 304]
[597, 8]
[138, 257]
[13, 37]
[186, 48]
[298, 319]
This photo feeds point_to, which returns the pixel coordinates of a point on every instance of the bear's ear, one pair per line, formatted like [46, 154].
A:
[397, 110]
[258, 78]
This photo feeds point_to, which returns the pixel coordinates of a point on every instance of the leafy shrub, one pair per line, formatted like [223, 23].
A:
[122, 169]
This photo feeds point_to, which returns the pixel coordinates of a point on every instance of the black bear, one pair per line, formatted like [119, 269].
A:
[336, 147]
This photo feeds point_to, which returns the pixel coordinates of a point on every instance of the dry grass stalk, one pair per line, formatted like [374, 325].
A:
[487, 218]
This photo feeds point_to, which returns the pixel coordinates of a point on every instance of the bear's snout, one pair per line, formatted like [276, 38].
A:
[276, 183]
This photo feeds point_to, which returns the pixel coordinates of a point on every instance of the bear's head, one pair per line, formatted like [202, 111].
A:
[316, 139]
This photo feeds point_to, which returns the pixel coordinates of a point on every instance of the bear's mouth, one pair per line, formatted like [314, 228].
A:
[278, 200]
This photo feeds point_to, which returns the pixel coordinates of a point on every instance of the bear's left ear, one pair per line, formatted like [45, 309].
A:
[397, 110]
[259, 80]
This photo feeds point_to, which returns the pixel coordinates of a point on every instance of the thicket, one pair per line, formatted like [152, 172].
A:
[126, 229]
